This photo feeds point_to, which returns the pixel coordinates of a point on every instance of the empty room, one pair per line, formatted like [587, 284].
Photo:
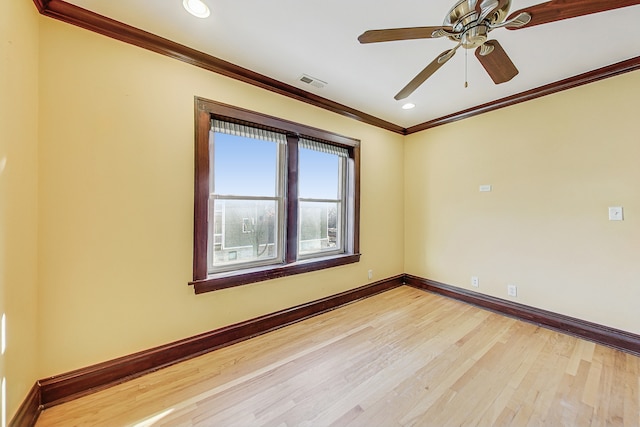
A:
[334, 213]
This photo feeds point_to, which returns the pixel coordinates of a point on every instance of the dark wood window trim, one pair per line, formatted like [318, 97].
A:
[203, 281]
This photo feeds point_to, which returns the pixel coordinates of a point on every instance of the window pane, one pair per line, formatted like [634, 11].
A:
[319, 174]
[319, 227]
[247, 231]
[244, 166]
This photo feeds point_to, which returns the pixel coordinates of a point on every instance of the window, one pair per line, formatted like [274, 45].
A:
[321, 198]
[247, 196]
[272, 198]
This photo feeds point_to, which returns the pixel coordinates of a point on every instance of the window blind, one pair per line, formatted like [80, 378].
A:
[323, 147]
[238, 129]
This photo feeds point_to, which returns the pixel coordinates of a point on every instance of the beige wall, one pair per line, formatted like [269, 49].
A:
[556, 164]
[18, 197]
[116, 201]
[96, 207]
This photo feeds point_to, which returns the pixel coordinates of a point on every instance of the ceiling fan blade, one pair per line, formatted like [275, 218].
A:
[426, 73]
[496, 62]
[557, 10]
[375, 36]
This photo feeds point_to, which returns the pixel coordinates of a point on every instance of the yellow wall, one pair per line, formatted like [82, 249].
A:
[97, 201]
[116, 201]
[18, 197]
[556, 164]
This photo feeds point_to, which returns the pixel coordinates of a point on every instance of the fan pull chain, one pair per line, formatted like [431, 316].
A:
[466, 80]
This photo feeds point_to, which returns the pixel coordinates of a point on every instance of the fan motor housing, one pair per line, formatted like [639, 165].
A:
[463, 18]
[474, 37]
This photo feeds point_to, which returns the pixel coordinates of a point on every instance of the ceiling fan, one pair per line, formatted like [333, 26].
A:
[469, 22]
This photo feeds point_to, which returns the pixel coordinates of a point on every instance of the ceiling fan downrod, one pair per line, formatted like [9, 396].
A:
[468, 24]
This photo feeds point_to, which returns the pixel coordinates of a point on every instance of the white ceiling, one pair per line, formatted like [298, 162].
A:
[283, 39]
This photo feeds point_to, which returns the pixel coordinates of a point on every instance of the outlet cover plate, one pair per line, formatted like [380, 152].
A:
[615, 213]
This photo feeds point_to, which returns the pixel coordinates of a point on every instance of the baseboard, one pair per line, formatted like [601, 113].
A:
[29, 411]
[61, 388]
[71, 385]
[600, 334]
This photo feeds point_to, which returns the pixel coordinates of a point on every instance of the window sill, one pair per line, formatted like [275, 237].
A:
[229, 279]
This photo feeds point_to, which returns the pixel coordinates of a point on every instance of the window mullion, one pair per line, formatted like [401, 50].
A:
[292, 200]
[213, 223]
[234, 197]
[308, 199]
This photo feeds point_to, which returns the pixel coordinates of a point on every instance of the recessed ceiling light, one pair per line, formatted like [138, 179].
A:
[196, 8]
[408, 106]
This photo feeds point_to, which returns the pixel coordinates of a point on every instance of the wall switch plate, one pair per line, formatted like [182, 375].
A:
[485, 188]
[370, 274]
[615, 213]
[512, 290]
[475, 282]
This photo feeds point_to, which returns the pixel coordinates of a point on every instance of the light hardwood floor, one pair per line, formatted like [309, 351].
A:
[404, 357]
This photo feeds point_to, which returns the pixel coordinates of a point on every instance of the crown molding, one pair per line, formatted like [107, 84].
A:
[612, 70]
[91, 21]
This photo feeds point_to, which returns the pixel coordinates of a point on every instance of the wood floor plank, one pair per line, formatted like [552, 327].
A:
[401, 358]
[632, 392]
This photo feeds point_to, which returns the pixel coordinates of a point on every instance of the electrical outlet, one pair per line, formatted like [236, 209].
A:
[512, 290]
[615, 213]
[475, 282]
[370, 274]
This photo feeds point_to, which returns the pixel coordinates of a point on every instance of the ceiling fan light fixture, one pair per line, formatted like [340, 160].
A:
[408, 106]
[469, 22]
[197, 8]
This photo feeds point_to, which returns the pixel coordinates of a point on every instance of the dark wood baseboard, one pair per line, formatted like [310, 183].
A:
[30, 409]
[61, 388]
[71, 385]
[600, 334]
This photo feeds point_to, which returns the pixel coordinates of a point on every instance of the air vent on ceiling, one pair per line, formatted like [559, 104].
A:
[305, 78]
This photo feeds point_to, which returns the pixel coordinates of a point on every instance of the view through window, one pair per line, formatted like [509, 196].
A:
[321, 189]
[272, 198]
[247, 199]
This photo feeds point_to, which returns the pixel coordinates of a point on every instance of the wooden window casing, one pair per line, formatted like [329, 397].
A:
[203, 280]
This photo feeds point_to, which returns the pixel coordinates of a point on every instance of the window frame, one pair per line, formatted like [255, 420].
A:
[342, 218]
[203, 281]
[278, 198]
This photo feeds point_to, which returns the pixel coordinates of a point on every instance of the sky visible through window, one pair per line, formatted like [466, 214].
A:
[318, 174]
[245, 166]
